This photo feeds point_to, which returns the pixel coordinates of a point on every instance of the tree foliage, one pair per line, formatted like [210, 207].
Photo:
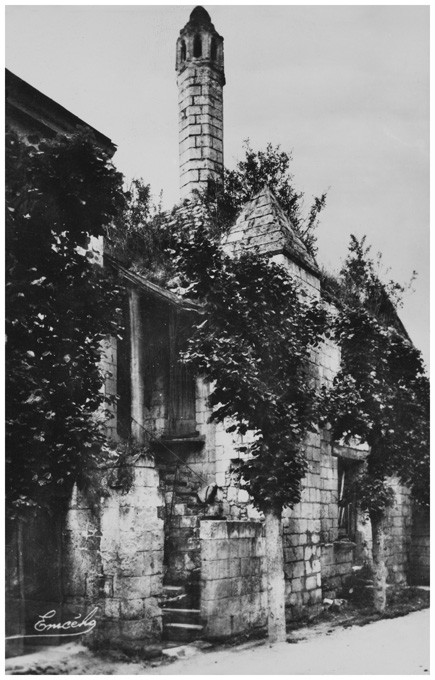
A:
[140, 234]
[259, 330]
[254, 344]
[59, 307]
[257, 169]
[381, 393]
[144, 238]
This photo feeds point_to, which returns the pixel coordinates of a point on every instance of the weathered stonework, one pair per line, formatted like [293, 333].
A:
[419, 554]
[398, 523]
[233, 577]
[185, 522]
[200, 80]
[262, 227]
[113, 560]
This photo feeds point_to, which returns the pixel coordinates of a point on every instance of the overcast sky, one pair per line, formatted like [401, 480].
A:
[344, 88]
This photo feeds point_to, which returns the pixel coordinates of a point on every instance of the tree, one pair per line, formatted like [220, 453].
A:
[380, 395]
[144, 237]
[254, 344]
[259, 330]
[139, 235]
[258, 169]
[59, 306]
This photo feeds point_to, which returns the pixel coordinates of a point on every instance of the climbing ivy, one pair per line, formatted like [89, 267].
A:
[144, 238]
[379, 396]
[60, 305]
[258, 328]
[254, 343]
[141, 234]
[269, 167]
[381, 393]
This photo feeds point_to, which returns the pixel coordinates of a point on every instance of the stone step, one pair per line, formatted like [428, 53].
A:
[182, 631]
[173, 590]
[178, 615]
[172, 595]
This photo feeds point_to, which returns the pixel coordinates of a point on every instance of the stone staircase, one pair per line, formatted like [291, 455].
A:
[181, 619]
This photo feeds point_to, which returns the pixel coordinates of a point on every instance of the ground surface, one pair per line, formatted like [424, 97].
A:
[397, 646]
[388, 647]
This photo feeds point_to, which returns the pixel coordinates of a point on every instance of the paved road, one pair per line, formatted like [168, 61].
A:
[389, 647]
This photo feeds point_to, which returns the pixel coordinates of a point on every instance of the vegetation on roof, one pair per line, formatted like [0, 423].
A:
[144, 237]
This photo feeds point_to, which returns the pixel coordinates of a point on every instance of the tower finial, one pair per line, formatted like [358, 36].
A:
[200, 79]
[200, 16]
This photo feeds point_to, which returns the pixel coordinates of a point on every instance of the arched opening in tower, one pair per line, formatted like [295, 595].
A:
[197, 46]
[213, 49]
[183, 51]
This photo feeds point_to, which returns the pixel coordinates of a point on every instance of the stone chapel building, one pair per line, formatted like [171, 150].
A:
[182, 553]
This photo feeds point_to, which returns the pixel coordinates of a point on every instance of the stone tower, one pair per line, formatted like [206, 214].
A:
[200, 79]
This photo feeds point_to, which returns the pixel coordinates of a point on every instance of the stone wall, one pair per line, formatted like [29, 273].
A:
[113, 560]
[198, 482]
[301, 538]
[337, 560]
[187, 467]
[233, 577]
[419, 556]
[398, 525]
[306, 279]
[181, 509]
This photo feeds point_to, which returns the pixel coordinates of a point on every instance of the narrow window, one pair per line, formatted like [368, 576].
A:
[347, 513]
[183, 51]
[213, 49]
[181, 383]
[197, 46]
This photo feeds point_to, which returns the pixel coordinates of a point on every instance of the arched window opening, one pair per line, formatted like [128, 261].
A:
[197, 46]
[183, 51]
[213, 49]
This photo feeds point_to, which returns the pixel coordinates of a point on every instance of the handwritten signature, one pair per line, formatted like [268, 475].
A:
[87, 624]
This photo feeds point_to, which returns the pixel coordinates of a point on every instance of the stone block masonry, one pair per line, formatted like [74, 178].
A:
[182, 476]
[301, 540]
[200, 80]
[113, 560]
[398, 524]
[200, 128]
[233, 577]
[419, 554]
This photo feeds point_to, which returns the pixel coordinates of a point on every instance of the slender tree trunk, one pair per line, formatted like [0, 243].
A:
[379, 569]
[275, 577]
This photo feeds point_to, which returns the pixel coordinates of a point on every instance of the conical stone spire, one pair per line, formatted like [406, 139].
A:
[263, 227]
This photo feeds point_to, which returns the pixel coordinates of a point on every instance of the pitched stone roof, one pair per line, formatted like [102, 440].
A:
[30, 111]
[264, 227]
[152, 289]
